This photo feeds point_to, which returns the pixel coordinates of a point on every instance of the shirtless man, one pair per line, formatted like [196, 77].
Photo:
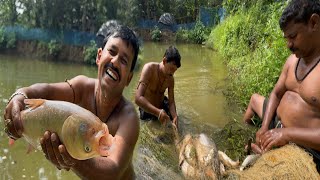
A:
[155, 79]
[294, 104]
[103, 97]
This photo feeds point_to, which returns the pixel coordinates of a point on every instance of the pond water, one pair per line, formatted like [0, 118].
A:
[200, 102]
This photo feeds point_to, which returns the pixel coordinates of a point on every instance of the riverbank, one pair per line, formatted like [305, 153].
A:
[39, 50]
[71, 53]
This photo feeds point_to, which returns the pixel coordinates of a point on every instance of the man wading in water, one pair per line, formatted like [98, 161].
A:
[155, 79]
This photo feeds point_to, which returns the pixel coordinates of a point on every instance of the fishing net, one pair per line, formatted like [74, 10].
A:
[287, 162]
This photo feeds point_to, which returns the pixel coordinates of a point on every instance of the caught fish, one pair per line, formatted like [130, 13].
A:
[249, 160]
[199, 158]
[83, 134]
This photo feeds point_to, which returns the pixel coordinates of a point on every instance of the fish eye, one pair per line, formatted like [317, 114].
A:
[87, 148]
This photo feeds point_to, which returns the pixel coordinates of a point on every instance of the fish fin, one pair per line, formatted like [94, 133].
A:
[33, 103]
[30, 149]
[11, 142]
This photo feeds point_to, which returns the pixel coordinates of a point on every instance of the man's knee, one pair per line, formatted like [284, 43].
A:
[256, 99]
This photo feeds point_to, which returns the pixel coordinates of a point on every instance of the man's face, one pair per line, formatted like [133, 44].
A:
[114, 64]
[170, 68]
[299, 38]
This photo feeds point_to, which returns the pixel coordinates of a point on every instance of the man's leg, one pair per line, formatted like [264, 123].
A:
[255, 107]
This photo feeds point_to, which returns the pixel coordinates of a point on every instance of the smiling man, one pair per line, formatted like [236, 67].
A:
[155, 79]
[292, 111]
[103, 97]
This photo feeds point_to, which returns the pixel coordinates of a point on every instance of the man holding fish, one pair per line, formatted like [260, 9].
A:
[103, 97]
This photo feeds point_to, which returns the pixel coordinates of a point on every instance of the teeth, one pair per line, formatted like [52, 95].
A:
[113, 76]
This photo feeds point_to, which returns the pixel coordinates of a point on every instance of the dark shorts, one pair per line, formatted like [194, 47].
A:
[147, 116]
[276, 123]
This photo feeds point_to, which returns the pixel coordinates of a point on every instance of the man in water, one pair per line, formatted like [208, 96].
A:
[292, 111]
[155, 79]
[103, 97]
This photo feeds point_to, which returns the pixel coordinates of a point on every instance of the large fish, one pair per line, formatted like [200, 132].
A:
[83, 134]
[199, 158]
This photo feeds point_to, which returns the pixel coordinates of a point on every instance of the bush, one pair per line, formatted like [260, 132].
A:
[182, 35]
[7, 40]
[11, 40]
[2, 39]
[54, 48]
[199, 33]
[156, 34]
[251, 42]
[90, 53]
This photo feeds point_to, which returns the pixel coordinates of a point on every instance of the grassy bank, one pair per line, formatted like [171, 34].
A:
[253, 46]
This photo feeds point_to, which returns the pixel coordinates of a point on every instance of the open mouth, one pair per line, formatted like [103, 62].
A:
[112, 74]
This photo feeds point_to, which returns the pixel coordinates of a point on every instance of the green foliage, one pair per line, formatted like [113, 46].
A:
[197, 35]
[11, 40]
[254, 49]
[54, 48]
[90, 53]
[233, 138]
[233, 6]
[182, 35]
[7, 40]
[2, 39]
[156, 34]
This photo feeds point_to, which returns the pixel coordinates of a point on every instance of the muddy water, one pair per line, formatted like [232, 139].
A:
[200, 103]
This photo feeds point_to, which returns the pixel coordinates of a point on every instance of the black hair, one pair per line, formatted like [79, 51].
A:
[172, 55]
[299, 11]
[128, 35]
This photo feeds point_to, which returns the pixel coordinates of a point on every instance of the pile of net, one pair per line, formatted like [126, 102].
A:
[287, 162]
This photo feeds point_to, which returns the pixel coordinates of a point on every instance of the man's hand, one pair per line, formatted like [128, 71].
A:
[56, 152]
[163, 117]
[175, 122]
[273, 137]
[12, 119]
[259, 134]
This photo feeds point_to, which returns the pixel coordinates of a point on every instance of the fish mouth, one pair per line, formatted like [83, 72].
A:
[104, 141]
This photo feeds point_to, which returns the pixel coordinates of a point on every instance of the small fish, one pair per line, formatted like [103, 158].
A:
[249, 160]
[84, 134]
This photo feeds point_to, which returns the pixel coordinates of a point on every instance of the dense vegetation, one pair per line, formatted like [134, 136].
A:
[88, 15]
[253, 46]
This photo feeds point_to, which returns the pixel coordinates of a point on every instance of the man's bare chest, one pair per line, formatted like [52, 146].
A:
[308, 89]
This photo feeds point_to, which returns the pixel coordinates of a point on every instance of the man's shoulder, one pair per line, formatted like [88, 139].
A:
[82, 80]
[291, 59]
[127, 105]
[150, 65]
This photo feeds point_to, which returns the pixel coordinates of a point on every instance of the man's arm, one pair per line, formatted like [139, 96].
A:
[274, 99]
[172, 104]
[57, 91]
[140, 100]
[111, 167]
